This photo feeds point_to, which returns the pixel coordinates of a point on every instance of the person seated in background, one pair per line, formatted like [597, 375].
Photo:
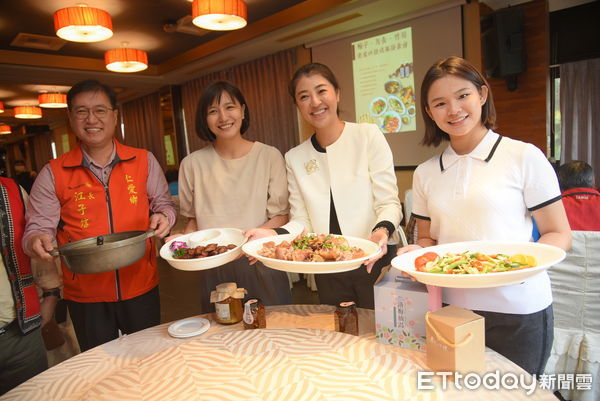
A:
[24, 177]
[581, 199]
[172, 175]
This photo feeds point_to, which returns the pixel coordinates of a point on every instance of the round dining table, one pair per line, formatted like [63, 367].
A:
[298, 356]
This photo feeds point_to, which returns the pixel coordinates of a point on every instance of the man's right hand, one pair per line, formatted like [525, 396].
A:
[40, 245]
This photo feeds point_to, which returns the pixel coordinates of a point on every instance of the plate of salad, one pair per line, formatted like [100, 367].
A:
[478, 264]
[205, 249]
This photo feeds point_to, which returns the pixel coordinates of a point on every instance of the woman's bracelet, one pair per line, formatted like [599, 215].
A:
[381, 228]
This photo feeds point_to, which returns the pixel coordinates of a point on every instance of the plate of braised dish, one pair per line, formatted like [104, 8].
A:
[312, 253]
[204, 249]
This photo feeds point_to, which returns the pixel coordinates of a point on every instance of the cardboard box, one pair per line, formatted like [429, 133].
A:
[400, 307]
[455, 340]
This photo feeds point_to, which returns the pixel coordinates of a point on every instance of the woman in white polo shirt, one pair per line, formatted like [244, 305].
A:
[484, 186]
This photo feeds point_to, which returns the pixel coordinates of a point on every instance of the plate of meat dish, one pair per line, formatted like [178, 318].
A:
[478, 264]
[204, 249]
[312, 253]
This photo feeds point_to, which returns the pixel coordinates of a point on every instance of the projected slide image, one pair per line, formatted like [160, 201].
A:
[382, 69]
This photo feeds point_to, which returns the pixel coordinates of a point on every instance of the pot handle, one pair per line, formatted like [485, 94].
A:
[54, 252]
[149, 233]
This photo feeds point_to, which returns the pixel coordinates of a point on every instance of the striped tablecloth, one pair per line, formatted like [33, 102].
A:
[298, 357]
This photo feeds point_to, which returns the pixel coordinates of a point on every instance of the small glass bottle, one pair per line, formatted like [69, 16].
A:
[254, 314]
[347, 318]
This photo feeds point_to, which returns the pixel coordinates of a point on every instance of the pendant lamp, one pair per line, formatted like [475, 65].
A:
[5, 129]
[126, 60]
[1, 107]
[53, 100]
[83, 24]
[219, 15]
[27, 112]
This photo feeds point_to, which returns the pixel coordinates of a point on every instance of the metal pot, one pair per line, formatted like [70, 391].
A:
[104, 252]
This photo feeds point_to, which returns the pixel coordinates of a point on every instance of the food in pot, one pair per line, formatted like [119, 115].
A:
[392, 86]
[472, 263]
[312, 248]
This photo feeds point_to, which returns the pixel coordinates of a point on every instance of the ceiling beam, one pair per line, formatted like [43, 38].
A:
[56, 61]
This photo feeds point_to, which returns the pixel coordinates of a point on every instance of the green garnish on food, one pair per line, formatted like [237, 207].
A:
[178, 253]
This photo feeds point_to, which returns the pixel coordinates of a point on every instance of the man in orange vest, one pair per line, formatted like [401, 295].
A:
[101, 187]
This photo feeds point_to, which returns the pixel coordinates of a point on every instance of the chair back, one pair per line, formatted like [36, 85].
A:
[576, 290]
[576, 284]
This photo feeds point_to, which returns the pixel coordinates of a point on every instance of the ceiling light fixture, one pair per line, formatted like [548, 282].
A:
[5, 129]
[219, 15]
[53, 100]
[1, 107]
[27, 112]
[83, 24]
[126, 60]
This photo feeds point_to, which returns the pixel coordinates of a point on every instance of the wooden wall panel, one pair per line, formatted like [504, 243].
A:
[522, 113]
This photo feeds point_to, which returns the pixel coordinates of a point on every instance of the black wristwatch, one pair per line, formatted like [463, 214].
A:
[54, 291]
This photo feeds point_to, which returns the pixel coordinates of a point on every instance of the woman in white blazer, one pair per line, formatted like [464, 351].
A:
[341, 181]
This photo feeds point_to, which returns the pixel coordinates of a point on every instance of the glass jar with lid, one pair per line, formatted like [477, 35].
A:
[227, 298]
[347, 318]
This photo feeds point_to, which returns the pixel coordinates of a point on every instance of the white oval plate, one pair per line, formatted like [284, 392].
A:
[189, 327]
[546, 255]
[226, 236]
[371, 249]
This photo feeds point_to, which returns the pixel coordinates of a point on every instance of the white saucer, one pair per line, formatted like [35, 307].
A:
[189, 327]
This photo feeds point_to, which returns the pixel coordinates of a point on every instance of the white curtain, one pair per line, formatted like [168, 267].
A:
[580, 112]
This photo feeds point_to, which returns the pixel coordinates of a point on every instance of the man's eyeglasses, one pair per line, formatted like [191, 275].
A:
[98, 112]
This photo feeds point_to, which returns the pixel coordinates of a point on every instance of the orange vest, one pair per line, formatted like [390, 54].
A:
[18, 268]
[88, 209]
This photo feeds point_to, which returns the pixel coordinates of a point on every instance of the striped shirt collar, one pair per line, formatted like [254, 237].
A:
[483, 151]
